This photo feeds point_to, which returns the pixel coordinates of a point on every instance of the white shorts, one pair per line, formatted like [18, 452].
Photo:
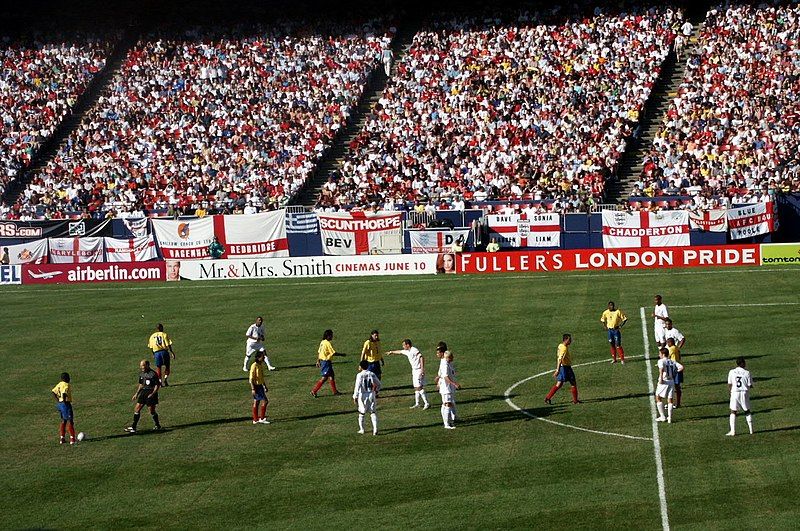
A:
[417, 378]
[665, 390]
[448, 398]
[740, 400]
[661, 334]
[252, 348]
[366, 404]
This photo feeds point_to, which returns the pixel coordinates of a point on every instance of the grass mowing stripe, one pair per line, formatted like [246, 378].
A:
[662, 493]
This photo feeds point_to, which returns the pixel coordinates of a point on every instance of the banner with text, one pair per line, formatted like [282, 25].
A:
[435, 241]
[360, 233]
[254, 235]
[622, 229]
[780, 253]
[34, 252]
[751, 220]
[101, 272]
[55, 228]
[75, 250]
[525, 230]
[714, 220]
[184, 238]
[139, 249]
[604, 259]
[305, 267]
[10, 274]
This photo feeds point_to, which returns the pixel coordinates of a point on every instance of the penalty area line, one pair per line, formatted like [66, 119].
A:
[562, 424]
[662, 492]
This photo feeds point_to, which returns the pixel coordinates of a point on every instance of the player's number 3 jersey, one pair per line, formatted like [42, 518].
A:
[740, 380]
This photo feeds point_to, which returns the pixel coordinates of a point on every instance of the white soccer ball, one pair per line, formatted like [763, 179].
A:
[81, 436]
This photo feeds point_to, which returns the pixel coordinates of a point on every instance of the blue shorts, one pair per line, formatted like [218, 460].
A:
[261, 393]
[565, 374]
[375, 367]
[615, 337]
[65, 410]
[679, 378]
[162, 358]
[326, 368]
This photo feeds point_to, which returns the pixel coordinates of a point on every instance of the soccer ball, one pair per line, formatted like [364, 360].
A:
[81, 436]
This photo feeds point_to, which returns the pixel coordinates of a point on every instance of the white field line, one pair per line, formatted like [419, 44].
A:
[277, 282]
[662, 493]
[579, 428]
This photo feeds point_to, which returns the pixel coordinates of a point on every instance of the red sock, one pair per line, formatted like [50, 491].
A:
[317, 386]
[614, 352]
[574, 390]
[621, 353]
[551, 393]
[333, 386]
[71, 429]
[158, 372]
[61, 429]
[264, 410]
[255, 411]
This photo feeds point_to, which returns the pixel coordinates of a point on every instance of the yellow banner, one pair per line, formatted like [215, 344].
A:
[780, 253]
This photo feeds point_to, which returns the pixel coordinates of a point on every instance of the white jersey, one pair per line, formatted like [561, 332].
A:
[255, 331]
[673, 333]
[666, 383]
[740, 381]
[367, 384]
[414, 358]
[446, 371]
[660, 311]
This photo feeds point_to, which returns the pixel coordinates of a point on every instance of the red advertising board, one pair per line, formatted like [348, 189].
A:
[93, 272]
[608, 259]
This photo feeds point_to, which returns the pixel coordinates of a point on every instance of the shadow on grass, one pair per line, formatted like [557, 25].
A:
[787, 428]
[496, 417]
[725, 382]
[612, 398]
[707, 417]
[223, 380]
[723, 402]
[167, 429]
[692, 354]
[731, 359]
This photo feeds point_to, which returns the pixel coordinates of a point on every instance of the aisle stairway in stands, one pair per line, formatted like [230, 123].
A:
[333, 158]
[82, 106]
[665, 89]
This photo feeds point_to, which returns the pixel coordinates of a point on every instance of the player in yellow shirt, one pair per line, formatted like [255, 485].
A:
[613, 319]
[325, 355]
[564, 371]
[62, 392]
[259, 389]
[675, 355]
[161, 345]
[371, 352]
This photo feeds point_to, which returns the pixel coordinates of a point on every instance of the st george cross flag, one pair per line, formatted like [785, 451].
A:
[435, 241]
[526, 230]
[75, 250]
[751, 220]
[709, 220]
[359, 232]
[131, 250]
[669, 228]
[253, 235]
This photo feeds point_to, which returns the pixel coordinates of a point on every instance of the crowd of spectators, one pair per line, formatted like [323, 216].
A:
[212, 120]
[732, 132]
[41, 76]
[521, 108]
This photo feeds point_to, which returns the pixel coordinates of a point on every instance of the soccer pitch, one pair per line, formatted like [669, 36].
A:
[590, 465]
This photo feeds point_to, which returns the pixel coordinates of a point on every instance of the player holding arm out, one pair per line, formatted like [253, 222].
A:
[365, 394]
[417, 371]
[739, 384]
[258, 389]
[564, 372]
[325, 355]
[62, 392]
[613, 319]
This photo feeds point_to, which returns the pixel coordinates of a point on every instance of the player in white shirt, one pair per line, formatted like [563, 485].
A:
[417, 372]
[447, 389]
[739, 384]
[660, 314]
[672, 332]
[255, 343]
[667, 371]
[365, 393]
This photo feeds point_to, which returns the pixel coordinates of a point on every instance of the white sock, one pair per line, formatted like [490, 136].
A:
[416, 398]
[266, 360]
[670, 407]
[246, 362]
[374, 418]
[360, 422]
[423, 397]
[445, 415]
[452, 413]
[732, 421]
[660, 408]
[749, 419]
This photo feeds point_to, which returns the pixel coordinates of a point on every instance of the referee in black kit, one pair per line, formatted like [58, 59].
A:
[146, 395]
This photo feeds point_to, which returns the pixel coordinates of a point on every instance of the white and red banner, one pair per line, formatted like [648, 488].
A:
[184, 238]
[139, 249]
[668, 228]
[751, 220]
[102, 272]
[524, 230]
[75, 250]
[10, 274]
[607, 259]
[435, 241]
[254, 235]
[138, 227]
[34, 252]
[713, 220]
[355, 233]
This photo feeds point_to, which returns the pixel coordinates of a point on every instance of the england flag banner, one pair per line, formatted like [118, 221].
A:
[713, 220]
[525, 230]
[34, 252]
[669, 228]
[184, 239]
[751, 220]
[139, 249]
[138, 227]
[254, 235]
[345, 234]
[75, 250]
[435, 241]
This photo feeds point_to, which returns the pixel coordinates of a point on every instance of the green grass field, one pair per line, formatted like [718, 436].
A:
[211, 468]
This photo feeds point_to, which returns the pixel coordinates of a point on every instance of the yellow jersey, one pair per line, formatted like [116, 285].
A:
[257, 373]
[159, 341]
[371, 351]
[326, 350]
[613, 319]
[674, 353]
[63, 391]
[564, 356]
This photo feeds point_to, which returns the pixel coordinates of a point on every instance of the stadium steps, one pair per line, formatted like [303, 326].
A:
[664, 90]
[333, 158]
[50, 147]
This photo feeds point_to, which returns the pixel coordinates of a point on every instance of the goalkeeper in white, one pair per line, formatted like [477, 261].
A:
[365, 394]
